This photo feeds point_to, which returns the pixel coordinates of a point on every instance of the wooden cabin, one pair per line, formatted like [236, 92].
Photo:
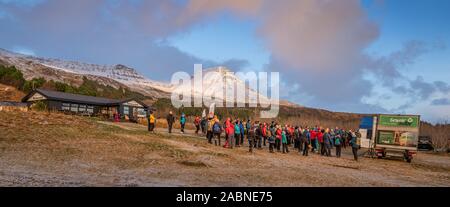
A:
[128, 109]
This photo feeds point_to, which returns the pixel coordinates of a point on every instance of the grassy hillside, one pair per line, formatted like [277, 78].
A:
[11, 76]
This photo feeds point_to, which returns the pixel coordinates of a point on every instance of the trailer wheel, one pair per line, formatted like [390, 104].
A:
[407, 157]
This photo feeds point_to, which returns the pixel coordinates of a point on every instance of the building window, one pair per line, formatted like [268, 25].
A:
[65, 107]
[82, 108]
[90, 109]
[141, 112]
[74, 107]
[126, 110]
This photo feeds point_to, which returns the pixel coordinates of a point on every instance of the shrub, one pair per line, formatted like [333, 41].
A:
[11, 76]
[39, 106]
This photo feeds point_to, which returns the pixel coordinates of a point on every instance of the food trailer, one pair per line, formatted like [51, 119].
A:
[391, 135]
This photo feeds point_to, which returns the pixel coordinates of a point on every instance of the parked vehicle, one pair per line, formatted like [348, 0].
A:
[425, 143]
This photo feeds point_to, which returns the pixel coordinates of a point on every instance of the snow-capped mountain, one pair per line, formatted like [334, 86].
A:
[118, 75]
[224, 80]
[31, 66]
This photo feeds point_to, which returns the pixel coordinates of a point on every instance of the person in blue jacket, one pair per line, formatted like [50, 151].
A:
[182, 122]
[242, 129]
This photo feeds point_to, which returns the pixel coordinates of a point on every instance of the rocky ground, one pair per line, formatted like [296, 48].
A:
[43, 149]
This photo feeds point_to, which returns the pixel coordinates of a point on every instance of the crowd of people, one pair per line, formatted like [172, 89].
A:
[278, 137]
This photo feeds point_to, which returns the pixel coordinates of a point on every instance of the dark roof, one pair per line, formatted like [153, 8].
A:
[12, 103]
[69, 97]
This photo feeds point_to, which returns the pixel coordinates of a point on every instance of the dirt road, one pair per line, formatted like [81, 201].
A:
[41, 149]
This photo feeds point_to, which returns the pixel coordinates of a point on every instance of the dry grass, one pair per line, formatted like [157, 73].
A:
[439, 133]
[9, 93]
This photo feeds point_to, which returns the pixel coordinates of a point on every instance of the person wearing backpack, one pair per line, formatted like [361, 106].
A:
[217, 130]
[237, 133]
[337, 144]
[209, 129]
[182, 122]
[305, 141]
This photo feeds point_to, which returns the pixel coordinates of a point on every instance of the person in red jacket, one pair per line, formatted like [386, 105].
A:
[278, 138]
[264, 133]
[322, 144]
[291, 134]
[197, 124]
[229, 133]
[313, 133]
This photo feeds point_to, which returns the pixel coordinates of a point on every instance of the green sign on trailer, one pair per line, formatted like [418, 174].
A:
[399, 121]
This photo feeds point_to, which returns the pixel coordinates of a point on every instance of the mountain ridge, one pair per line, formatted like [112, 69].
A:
[114, 75]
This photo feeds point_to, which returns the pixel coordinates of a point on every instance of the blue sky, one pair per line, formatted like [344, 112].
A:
[369, 56]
